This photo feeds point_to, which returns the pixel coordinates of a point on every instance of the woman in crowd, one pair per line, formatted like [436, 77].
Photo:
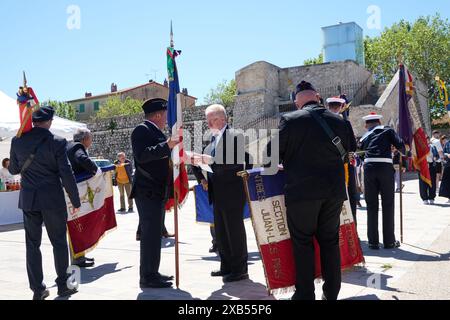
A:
[427, 192]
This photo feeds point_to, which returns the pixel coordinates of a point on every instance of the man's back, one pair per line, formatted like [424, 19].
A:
[41, 182]
[79, 159]
[314, 168]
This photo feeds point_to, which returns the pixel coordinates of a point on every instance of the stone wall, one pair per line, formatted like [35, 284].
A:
[113, 135]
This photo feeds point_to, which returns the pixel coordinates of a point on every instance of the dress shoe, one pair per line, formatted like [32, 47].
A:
[235, 277]
[121, 211]
[138, 237]
[41, 295]
[219, 273]
[394, 245]
[374, 246]
[84, 264]
[66, 292]
[157, 284]
[89, 259]
[130, 210]
[164, 277]
[168, 235]
[213, 249]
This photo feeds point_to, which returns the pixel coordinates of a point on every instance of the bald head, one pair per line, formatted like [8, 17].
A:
[303, 97]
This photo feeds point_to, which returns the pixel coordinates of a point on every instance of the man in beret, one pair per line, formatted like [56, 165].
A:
[41, 159]
[152, 152]
[315, 189]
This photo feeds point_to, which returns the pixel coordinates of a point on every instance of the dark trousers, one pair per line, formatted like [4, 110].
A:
[231, 237]
[212, 230]
[379, 180]
[151, 213]
[163, 225]
[427, 192]
[319, 218]
[56, 225]
[352, 190]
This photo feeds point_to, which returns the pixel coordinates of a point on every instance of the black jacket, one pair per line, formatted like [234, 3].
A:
[224, 184]
[43, 181]
[79, 159]
[151, 157]
[313, 165]
[378, 142]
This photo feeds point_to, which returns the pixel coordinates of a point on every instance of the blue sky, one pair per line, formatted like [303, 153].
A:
[125, 41]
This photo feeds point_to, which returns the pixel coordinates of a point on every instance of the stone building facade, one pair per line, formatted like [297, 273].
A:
[87, 107]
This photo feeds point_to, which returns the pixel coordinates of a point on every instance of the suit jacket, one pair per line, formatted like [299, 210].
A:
[79, 159]
[43, 181]
[224, 185]
[151, 157]
[313, 164]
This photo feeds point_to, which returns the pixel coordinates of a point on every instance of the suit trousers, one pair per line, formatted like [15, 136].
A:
[427, 192]
[319, 218]
[151, 211]
[379, 180]
[56, 225]
[231, 238]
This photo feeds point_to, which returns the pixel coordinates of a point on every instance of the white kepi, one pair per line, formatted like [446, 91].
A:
[10, 121]
[373, 116]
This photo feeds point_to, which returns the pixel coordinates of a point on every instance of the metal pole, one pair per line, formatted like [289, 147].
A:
[177, 257]
[401, 197]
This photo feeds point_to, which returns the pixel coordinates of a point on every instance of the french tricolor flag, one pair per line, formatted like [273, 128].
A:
[96, 216]
[175, 122]
[268, 211]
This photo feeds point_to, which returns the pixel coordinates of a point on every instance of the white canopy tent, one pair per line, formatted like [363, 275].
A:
[10, 124]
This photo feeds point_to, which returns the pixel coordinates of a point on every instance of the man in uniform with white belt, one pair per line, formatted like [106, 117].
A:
[379, 179]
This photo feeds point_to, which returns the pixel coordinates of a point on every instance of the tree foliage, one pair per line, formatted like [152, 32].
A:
[224, 93]
[62, 109]
[115, 106]
[312, 61]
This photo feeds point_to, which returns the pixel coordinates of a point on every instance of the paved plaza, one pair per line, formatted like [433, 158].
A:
[420, 269]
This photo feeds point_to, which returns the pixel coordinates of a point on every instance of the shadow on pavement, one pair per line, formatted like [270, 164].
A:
[366, 297]
[93, 274]
[401, 254]
[242, 290]
[165, 294]
[11, 227]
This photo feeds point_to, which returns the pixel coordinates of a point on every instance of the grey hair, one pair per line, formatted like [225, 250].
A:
[216, 109]
[81, 134]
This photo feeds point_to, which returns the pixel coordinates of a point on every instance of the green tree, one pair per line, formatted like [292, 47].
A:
[423, 45]
[115, 106]
[224, 93]
[62, 109]
[312, 61]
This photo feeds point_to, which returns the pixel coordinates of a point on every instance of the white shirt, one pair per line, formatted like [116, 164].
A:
[430, 155]
[219, 135]
[5, 175]
[437, 144]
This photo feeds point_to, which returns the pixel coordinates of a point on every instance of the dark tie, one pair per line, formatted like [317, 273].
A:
[213, 142]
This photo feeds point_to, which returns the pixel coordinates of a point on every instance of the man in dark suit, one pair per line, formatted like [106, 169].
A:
[41, 159]
[315, 189]
[226, 194]
[152, 152]
[81, 164]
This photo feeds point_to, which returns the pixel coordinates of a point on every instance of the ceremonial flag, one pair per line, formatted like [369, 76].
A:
[175, 121]
[27, 102]
[96, 216]
[414, 138]
[267, 206]
[204, 210]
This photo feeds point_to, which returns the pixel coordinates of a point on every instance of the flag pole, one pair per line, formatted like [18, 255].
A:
[401, 197]
[177, 252]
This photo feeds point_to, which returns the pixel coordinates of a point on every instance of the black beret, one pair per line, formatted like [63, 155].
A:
[154, 105]
[303, 86]
[43, 114]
